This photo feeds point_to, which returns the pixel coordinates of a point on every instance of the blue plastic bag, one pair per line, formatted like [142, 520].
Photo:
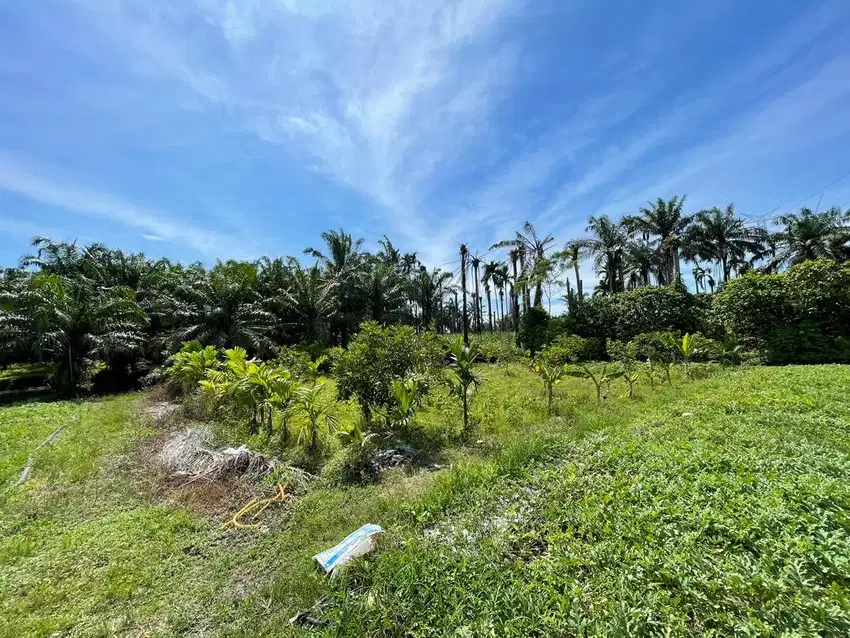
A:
[359, 542]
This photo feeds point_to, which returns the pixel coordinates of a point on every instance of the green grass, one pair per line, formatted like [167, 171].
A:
[716, 506]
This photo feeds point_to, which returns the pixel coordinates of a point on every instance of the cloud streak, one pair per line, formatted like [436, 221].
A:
[108, 207]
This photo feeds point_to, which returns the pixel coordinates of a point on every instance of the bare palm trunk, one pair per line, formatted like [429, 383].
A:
[463, 253]
[489, 307]
[477, 297]
[502, 302]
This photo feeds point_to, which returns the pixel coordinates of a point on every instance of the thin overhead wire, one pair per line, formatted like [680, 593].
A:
[821, 190]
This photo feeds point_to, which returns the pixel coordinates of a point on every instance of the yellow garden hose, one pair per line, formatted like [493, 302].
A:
[259, 505]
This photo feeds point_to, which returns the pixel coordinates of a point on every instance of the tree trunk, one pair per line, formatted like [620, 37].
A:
[502, 300]
[463, 253]
[477, 314]
[489, 307]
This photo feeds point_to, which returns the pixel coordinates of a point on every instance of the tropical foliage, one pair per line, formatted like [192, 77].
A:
[87, 308]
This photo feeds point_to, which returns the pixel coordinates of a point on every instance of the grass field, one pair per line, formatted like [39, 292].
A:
[718, 506]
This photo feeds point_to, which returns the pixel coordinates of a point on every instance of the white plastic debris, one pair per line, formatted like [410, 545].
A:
[359, 542]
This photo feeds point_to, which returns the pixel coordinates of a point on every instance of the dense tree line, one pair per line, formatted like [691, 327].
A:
[89, 308]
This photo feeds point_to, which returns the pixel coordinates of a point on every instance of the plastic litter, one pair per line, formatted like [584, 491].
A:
[359, 542]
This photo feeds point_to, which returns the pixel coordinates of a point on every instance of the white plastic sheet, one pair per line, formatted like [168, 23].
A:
[359, 542]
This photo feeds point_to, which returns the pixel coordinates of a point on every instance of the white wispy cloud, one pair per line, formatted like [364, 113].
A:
[16, 178]
[376, 95]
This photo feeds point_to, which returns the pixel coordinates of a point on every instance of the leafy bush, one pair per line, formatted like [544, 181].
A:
[377, 356]
[625, 315]
[533, 329]
[573, 349]
[800, 316]
[658, 347]
[657, 309]
[752, 307]
[495, 347]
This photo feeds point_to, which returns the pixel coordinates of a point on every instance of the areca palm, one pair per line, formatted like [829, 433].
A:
[721, 237]
[607, 245]
[664, 222]
[475, 261]
[532, 248]
[808, 235]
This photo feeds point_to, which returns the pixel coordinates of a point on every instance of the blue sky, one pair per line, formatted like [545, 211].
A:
[223, 128]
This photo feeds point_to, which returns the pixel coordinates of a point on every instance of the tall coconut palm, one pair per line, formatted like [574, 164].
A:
[721, 237]
[491, 275]
[808, 235]
[607, 245]
[532, 249]
[664, 223]
[475, 261]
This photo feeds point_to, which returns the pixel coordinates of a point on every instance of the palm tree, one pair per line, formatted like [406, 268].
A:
[465, 379]
[222, 308]
[385, 290]
[607, 245]
[719, 236]
[808, 235]
[664, 222]
[464, 254]
[641, 261]
[344, 263]
[312, 297]
[491, 269]
[476, 262]
[72, 322]
[531, 248]
[318, 417]
[502, 281]
[572, 252]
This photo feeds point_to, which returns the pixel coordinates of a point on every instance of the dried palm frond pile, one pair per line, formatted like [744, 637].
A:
[189, 454]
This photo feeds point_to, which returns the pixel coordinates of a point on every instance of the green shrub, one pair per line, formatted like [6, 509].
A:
[800, 316]
[657, 309]
[628, 314]
[495, 347]
[752, 307]
[658, 347]
[819, 291]
[572, 349]
[379, 355]
[533, 329]
[295, 360]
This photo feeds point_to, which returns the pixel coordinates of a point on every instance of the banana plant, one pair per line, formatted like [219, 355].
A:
[601, 379]
[687, 350]
[631, 377]
[550, 376]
